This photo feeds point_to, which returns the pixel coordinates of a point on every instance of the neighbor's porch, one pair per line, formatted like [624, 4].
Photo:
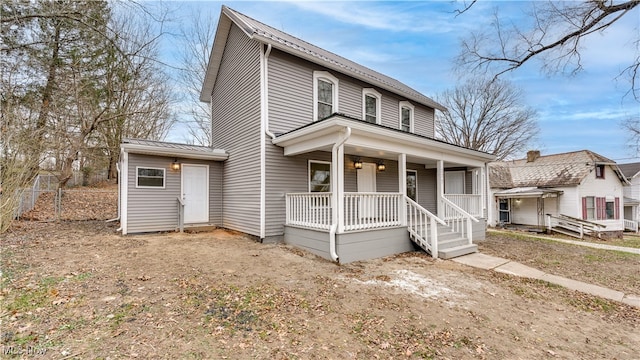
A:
[329, 213]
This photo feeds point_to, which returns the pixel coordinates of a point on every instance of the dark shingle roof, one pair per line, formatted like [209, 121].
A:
[630, 170]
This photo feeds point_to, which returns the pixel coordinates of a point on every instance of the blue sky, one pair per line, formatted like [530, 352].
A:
[415, 42]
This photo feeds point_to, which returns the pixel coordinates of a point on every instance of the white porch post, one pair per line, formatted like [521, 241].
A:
[440, 187]
[339, 186]
[402, 188]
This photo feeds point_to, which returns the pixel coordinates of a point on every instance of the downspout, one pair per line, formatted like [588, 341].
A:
[264, 123]
[334, 197]
[119, 185]
[266, 93]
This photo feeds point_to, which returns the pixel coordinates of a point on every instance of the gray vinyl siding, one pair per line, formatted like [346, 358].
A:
[236, 128]
[427, 188]
[156, 209]
[290, 92]
[291, 97]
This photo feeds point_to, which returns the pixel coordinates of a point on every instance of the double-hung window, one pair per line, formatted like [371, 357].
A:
[406, 116]
[319, 176]
[590, 207]
[325, 95]
[371, 103]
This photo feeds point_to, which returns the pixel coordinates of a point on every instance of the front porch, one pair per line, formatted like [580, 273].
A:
[382, 224]
[438, 197]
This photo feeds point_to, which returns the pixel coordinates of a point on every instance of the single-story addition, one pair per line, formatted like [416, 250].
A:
[320, 152]
[577, 191]
[631, 196]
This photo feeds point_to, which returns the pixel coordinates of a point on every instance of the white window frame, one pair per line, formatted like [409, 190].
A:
[408, 105]
[164, 177]
[324, 76]
[372, 93]
[507, 210]
[594, 208]
[416, 173]
[309, 174]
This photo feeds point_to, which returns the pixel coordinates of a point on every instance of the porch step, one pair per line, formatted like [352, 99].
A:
[456, 251]
[452, 242]
[444, 235]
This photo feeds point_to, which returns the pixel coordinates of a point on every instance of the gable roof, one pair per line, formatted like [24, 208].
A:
[630, 170]
[300, 48]
[565, 169]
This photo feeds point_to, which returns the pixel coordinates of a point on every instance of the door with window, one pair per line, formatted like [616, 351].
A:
[504, 209]
[195, 193]
[367, 208]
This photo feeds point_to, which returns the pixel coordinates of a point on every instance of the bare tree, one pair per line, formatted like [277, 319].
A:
[198, 40]
[487, 115]
[554, 34]
[632, 125]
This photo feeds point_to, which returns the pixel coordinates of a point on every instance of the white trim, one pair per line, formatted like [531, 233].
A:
[124, 180]
[325, 76]
[213, 154]
[164, 177]
[208, 185]
[405, 183]
[331, 179]
[263, 130]
[373, 93]
[408, 105]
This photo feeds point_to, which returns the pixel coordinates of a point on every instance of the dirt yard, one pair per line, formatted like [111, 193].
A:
[78, 290]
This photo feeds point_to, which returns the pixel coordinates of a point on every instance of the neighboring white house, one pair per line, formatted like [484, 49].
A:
[631, 195]
[581, 185]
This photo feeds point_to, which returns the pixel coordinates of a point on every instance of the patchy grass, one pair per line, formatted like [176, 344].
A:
[612, 269]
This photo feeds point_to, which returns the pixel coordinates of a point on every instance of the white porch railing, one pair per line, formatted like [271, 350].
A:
[631, 225]
[457, 219]
[371, 210]
[423, 227]
[311, 210]
[471, 203]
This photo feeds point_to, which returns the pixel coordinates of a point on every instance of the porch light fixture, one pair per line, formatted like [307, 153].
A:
[175, 165]
[382, 166]
[357, 164]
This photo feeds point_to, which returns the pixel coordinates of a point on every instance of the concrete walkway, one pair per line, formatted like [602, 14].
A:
[573, 242]
[505, 266]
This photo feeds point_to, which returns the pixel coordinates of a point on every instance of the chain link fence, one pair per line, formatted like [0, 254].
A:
[70, 204]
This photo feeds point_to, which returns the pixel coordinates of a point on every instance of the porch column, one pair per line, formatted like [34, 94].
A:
[402, 188]
[440, 187]
[337, 186]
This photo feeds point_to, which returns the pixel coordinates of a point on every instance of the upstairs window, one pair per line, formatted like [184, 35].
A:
[406, 116]
[600, 171]
[325, 94]
[371, 103]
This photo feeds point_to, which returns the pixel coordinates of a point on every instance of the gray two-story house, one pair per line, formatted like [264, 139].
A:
[318, 151]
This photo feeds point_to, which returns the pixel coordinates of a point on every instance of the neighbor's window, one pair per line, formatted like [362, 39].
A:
[406, 116]
[590, 207]
[319, 176]
[325, 94]
[610, 210]
[371, 106]
[599, 171]
[150, 177]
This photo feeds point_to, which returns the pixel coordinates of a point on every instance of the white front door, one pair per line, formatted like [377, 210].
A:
[367, 184]
[195, 193]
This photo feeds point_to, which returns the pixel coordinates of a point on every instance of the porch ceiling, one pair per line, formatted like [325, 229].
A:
[371, 140]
